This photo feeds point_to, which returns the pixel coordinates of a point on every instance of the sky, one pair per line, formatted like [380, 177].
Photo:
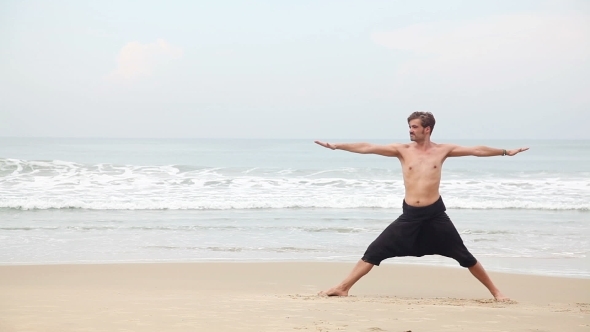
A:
[506, 69]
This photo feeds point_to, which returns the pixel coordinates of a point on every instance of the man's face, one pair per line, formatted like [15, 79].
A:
[417, 132]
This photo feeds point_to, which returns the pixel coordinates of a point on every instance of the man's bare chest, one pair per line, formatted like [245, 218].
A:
[421, 164]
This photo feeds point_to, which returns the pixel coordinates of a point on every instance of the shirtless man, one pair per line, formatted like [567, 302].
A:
[423, 228]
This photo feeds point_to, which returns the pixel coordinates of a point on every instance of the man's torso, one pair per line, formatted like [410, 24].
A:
[422, 172]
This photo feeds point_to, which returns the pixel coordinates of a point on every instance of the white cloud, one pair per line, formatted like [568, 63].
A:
[493, 53]
[139, 60]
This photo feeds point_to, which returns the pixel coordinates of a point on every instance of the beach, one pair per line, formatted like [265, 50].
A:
[232, 235]
[281, 297]
[212, 166]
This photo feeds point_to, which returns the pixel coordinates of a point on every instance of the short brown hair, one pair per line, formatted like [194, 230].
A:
[426, 119]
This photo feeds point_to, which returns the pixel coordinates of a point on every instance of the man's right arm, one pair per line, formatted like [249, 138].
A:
[390, 150]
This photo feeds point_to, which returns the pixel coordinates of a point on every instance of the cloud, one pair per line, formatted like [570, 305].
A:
[137, 60]
[492, 53]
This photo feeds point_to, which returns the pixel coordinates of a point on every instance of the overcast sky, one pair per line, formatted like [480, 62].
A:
[294, 69]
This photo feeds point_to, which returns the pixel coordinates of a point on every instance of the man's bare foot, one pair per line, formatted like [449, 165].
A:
[333, 292]
[500, 297]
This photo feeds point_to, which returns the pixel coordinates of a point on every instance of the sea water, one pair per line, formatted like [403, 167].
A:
[184, 200]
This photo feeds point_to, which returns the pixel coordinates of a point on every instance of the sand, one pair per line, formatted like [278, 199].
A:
[281, 297]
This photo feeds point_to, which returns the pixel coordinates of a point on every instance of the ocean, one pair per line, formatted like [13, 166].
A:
[82, 200]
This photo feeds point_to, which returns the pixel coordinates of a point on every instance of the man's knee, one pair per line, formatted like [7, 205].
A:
[371, 260]
[468, 263]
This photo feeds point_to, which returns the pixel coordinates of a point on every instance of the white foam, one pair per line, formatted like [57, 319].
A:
[62, 184]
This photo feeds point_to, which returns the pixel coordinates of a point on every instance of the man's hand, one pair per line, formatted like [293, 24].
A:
[326, 145]
[515, 151]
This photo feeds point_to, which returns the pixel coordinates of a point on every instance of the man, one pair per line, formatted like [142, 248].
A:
[423, 228]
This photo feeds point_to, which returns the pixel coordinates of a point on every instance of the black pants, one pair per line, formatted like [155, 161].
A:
[417, 232]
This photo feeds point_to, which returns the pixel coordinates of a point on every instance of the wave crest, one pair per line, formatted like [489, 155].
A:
[27, 185]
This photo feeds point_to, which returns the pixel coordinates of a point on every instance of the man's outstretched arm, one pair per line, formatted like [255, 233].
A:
[481, 151]
[391, 150]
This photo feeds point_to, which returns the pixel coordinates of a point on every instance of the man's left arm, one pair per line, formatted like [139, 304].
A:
[481, 151]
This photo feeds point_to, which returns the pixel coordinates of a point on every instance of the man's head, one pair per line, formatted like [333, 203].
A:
[421, 125]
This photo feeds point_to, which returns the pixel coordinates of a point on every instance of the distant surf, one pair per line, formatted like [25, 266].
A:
[31, 184]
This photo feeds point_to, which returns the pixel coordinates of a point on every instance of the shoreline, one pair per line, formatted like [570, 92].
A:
[419, 262]
[281, 296]
[503, 241]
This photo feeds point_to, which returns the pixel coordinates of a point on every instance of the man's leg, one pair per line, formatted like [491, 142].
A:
[480, 273]
[441, 237]
[360, 269]
[384, 246]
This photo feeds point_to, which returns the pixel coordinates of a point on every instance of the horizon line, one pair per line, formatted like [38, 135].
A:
[281, 138]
